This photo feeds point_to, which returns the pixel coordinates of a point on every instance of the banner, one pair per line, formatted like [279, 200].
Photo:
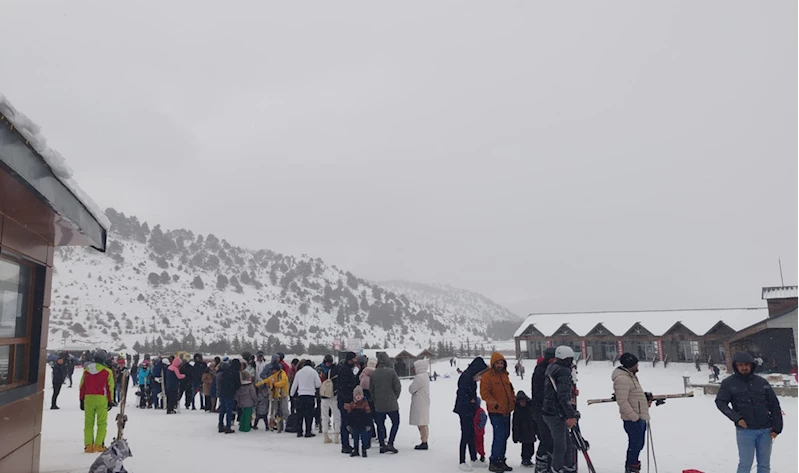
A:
[660, 350]
[584, 350]
[619, 347]
[549, 343]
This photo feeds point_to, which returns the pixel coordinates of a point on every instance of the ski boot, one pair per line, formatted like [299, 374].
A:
[634, 468]
[88, 449]
[542, 464]
[99, 448]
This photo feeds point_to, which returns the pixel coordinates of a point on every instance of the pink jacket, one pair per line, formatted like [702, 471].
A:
[366, 376]
[175, 368]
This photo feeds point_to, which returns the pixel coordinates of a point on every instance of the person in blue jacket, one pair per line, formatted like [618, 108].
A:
[143, 378]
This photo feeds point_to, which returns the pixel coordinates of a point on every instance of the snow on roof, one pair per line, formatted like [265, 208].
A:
[699, 321]
[32, 132]
[780, 292]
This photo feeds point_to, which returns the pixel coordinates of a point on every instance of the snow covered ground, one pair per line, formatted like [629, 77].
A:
[688, 433]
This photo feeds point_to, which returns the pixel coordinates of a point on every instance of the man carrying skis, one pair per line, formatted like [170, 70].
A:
[96, 399]
[755, 411]
[540, 380]
[633, 407]
[558, 410]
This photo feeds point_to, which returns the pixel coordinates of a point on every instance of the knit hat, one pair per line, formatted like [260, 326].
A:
[371, 363]
[361, 359]
[349, 356]
[628, 360]
[357, 390]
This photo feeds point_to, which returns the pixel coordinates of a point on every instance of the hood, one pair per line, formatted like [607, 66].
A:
[522, 396]
[497, 356]
[275, 358]
[371, 363]
[742, 357]
[549, 353]
[93, 368]
[236, 364]
[477, 366]
[176, 363]
[619, 372]
[421, 366]
[383, 361]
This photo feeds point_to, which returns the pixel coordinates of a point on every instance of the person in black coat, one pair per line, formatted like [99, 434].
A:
[231, 382]
[755, 412]
[69, 363]
[466, 406]
[559, 412]
[197, 380]
[59, 375]
[544, 453]
[524, 427]
[187, 383]
[347, 380]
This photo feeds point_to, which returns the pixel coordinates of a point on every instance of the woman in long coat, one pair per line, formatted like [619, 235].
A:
[420, 402]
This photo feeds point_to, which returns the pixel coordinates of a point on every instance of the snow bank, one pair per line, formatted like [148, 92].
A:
[32, 132]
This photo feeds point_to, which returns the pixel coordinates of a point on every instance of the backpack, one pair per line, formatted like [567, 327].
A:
[293, 423]
[327, 389]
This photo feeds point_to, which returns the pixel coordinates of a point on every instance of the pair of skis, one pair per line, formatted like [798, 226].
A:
[657, 398]
[575, 434]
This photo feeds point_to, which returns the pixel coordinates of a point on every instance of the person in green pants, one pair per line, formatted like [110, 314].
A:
[96, 399]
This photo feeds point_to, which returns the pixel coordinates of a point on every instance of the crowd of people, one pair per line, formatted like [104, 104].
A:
[550, 413]
[349, 402]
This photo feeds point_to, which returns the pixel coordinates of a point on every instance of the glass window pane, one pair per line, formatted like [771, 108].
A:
[5, 352]
[14, 290]
[20, 357]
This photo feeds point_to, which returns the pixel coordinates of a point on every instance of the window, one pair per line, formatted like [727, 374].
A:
[16, 283]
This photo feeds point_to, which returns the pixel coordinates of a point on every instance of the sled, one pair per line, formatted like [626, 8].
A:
[657, 398]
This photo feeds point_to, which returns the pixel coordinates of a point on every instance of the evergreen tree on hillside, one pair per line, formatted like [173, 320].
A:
[221, 282]
[352, 281]
[273, 324]
[153, 279]
[197, 283]
[164, 278]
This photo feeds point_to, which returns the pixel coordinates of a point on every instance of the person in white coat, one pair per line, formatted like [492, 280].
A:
[306, 382]
[420, 402]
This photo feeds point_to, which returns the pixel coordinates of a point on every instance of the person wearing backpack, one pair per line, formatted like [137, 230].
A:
[327, 392]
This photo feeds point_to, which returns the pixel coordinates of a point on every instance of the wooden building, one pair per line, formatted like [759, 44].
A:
[40, 208]
[402, 358]
[673, 335]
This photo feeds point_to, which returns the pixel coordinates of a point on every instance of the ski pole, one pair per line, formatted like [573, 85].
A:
[650, 444]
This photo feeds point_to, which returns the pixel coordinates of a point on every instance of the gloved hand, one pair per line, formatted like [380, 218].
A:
[81, 405]
[660, 402]
[111, 406]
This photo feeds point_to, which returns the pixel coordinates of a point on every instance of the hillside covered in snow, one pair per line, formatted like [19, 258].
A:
[172, 289]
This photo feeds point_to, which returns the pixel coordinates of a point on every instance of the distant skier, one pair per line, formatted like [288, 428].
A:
[96, 399]
[715, 371]
[558, 411]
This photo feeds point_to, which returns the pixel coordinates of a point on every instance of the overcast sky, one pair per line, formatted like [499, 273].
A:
[552, 155]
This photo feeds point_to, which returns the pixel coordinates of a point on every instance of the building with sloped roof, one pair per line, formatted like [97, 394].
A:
[652, 335]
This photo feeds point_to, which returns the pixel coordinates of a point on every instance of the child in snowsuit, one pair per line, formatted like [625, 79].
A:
[96, 395]
[172, 380]
[246, 399]
[359, 422]
[524, 427]
[480, 421]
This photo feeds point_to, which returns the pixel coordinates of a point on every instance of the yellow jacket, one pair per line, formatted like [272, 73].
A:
[278, 384]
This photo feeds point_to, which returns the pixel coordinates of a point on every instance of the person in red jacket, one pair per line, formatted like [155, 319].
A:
[480, 420]
[96, 399]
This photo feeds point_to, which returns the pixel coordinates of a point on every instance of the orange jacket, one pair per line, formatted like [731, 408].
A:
[496, 388]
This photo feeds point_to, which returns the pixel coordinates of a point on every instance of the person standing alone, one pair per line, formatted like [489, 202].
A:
[59, 376]
[500, 398]
[633, 407]
[755, 411]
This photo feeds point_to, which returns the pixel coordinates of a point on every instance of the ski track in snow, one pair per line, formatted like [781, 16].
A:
[688, 433]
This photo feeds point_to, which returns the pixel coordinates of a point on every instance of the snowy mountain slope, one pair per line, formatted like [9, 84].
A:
[177, 289]
[452, 299]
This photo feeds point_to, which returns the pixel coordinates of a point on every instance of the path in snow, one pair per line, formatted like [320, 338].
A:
[688, 433]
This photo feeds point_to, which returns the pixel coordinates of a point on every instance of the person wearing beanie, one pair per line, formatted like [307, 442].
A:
[246, 399]
[360, 422]
[329, 400]
[544, 453]
[559, 411]
[524, 427]
[346, 383]
[749, 401]
[633, 407]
